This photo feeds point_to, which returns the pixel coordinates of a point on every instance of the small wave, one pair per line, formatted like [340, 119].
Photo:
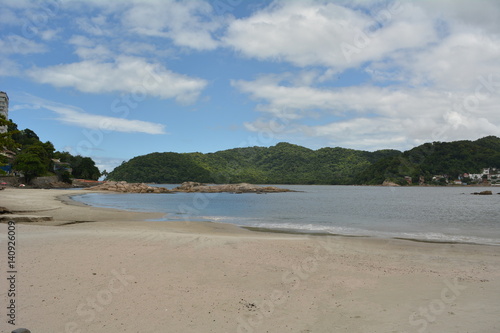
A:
[346, 231]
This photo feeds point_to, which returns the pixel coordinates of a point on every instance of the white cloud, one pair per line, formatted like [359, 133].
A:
[90, 49]
[15, 44]
[455, 63]
[75, 116]
[11, 47]
[95, 26]
[481, 14]
[81, 41]
[307, 33]
[9, 67]
[141, 48]
[49, 34]
[8, 16]
[366, 117]
[408, 63]
[434, 68]
[126, 74]
[405, 131]
[186, 23]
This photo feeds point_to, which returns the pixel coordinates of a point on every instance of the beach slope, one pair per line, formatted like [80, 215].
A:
[119, 273]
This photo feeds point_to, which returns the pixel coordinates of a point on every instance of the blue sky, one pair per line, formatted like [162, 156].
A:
[117, 79]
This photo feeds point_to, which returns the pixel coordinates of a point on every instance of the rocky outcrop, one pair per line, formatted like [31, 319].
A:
[125, 187]
[483, 193]
[231, 188]
[186, 187]
[82, 183]
[389, 183]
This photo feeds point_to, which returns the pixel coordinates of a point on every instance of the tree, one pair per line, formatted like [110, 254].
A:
[30, 163]
[84, 167]
[6, 140]
[35, 160]
[26, 137]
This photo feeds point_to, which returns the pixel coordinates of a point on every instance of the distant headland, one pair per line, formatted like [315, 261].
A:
[437, 163]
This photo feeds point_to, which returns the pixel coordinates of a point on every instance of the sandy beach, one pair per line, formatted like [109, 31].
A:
[105, 270]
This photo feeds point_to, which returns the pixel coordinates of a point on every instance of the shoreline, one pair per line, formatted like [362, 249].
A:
[324, 234]
[108, 215]
[121, 273]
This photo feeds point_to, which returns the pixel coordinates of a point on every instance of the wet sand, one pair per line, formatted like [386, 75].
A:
[106, 270]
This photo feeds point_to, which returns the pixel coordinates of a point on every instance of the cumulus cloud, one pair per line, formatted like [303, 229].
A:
[367, 116]
[433, 67]
[482, 14]
[455, 63]
[87, 48]
[309, 33]
[418, 71]
[125, 74]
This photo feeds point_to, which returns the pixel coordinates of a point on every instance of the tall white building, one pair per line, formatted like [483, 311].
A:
[4, 109]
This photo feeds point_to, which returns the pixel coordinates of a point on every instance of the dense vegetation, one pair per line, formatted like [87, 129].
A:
[281, 164]
[291, 164]
[33, 158]
[437, 158]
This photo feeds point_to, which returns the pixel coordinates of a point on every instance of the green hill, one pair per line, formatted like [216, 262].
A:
[283, 163]
[286, 163]
[437, 158]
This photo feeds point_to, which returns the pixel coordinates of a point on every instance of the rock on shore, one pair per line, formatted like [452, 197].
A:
[483, 193]
[232, 188]
[187, 187]
[125, 187]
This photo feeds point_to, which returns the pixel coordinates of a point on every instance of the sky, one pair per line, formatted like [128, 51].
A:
[116, 79]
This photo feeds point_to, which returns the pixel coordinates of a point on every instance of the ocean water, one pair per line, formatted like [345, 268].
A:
[440, 214]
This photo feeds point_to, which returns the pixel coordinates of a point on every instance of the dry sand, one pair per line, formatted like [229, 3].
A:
[122, 274]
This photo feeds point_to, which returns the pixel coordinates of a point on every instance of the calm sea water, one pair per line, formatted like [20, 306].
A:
[447, 214]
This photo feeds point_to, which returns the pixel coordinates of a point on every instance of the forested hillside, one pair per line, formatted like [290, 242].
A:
[281, 164]
[286, 163]
[437, 158]
[22, 152]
